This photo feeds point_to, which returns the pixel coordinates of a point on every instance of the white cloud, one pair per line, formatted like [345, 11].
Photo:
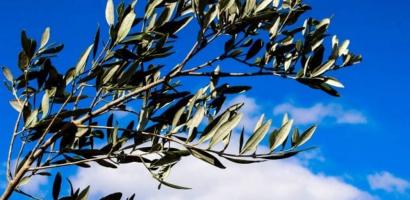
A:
[34, 186]
[284, 179]
[387, 182]
[289, 179]
[320, 112]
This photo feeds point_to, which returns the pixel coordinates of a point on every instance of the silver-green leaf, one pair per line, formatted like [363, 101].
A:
[306, 136]
[281, 135]
[83, 60]
[109, 12]
[256, 138]
[224, 130]
[45, 37]
[125, 26]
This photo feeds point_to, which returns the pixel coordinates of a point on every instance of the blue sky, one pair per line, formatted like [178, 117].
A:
[374, 142]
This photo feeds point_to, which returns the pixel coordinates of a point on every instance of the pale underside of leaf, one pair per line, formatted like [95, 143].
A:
[324, 68]
[306, 136]
[263, 5]
[224, 130]
[256, 138]
[196, 120]
[45, 104]
[45, 37]
[281, 135]
[259, 122]
[83, 60]
[125, 26]
[109, 12]
[212, 132]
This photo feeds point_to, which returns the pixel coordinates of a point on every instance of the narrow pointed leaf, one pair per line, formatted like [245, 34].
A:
[263, 5]
[306, 136]
[125, 26]
[322, 69]
[242, 161]
[259, 123]
[196, 120]
[45, 37]
[114, 196]
[275, 28]
[83, 61]
[343, 48]
[224, 130]
[255, 48]
[57, 186]
[109, 12]
[45, 105]
[217, 124]
[173, 185]
[7, 73]
[241, 138]
[256, 138]
[334, 82]
[281, 135]
[295, 137]
[207, 157]
[16, 105]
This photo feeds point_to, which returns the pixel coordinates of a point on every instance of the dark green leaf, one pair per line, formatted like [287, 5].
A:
[242, 161]
[105, 163]
[255, 48]
[207, 157]
[56, 186]
[114, 196]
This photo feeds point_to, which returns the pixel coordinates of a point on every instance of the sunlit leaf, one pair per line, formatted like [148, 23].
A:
[7, 73]
[125, 26]
[109, 12]
[45, 37]
[256, 137]
[83, 60]
[305, 136]
[322, 69]
[281, 135]
[45, 104]
[224, 130]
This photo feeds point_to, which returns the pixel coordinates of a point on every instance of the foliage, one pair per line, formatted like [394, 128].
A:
[66, 118]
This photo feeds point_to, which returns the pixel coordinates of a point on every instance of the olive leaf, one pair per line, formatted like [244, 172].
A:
[79, 68]
[256, 137]
[280, 136]
[45, 37]
[302, 139]
[225, 129]
[125, 26]
[109, 12]
[7, 73]
[207, 157]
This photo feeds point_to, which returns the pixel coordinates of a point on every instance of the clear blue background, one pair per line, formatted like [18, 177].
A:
[379, 87]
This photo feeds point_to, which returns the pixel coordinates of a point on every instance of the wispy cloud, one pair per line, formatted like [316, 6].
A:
[387, 182]
[320, 112]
